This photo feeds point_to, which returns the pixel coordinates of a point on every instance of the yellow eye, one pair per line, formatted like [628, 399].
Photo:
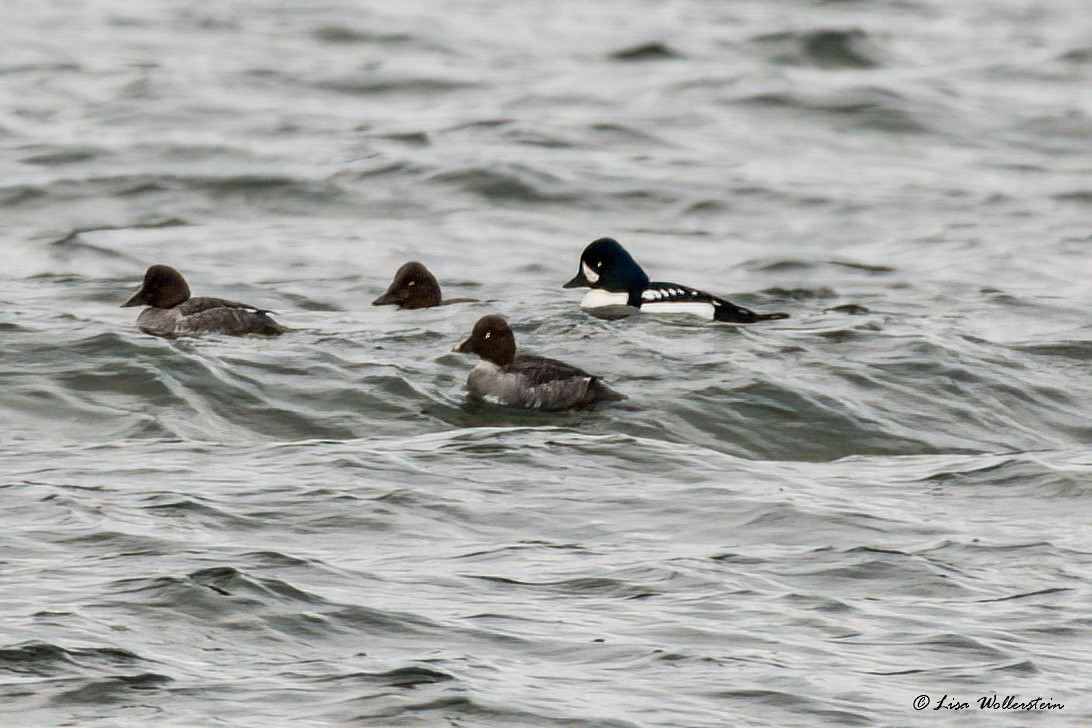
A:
[599, 264]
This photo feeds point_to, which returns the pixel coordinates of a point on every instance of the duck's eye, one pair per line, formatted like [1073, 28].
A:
[487, 334]
[411, 283]
[599, 264]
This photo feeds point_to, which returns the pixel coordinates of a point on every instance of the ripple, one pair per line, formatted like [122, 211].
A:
[1080, 351]
[268, 188]
[512, 183]
[43, 659]
[44, 67]
[402, 677]
[382, 83]
[867, 107]
[343, 35]
[784, 704]
[822, 48]
[1020, 474]
[111, 690]
[49, 157]
[652, 51]
[592, 586]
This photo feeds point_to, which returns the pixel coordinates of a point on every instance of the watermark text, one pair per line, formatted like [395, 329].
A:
[986, 702]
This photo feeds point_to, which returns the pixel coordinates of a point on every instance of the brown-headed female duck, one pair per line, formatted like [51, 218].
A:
[414, 286]
[524, 380]
[172, 312]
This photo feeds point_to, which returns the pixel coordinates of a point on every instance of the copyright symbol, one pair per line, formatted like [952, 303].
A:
[921, 702]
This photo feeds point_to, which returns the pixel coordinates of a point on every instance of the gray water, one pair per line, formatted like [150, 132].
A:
[807, 522]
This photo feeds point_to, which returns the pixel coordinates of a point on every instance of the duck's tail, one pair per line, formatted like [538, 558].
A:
[730, 313]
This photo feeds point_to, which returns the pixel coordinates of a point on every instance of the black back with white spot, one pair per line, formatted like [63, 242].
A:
[723, 310]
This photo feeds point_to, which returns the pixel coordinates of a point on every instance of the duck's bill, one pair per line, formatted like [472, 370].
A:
[137, 299]
[387, 299]
[461, 346]
[578, 281]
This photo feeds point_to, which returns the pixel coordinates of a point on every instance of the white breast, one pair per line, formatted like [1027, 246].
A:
[598, 298]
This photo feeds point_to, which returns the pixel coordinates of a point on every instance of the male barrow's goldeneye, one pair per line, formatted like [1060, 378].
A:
[172, 313]
[616, 281]
[524, 380]
[414, 286]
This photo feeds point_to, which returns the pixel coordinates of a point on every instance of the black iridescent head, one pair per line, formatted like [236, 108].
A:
[413, 287]
[606, 264]
[492, 340]
[163, 287]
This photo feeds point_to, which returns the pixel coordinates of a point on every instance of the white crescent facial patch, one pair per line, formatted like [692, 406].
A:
[590, 274]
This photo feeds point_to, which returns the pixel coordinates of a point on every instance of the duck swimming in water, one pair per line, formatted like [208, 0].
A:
[171, 312]
[525, 380]
[414, 286]
[617, 283]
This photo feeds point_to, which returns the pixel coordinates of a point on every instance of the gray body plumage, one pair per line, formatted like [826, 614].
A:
[537, 382]
[207, 316]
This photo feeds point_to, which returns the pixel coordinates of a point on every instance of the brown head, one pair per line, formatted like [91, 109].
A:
[413, 287]
[492, 340]
[164, 287]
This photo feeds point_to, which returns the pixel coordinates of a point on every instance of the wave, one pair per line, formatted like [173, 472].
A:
[45, 659]
[346, 35]
[392, 83]
[263, 189]
[509, 183]
[867, 107]
[822, 48]
[651, 51]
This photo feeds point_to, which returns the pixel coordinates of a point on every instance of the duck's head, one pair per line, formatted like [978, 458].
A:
[492, 339]
[606, 264]
[413, 287]
[163, 287]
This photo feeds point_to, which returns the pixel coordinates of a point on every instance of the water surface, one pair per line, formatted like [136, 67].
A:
[807, 522]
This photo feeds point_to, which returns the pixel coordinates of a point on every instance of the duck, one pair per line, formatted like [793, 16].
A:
[618, 283]
[414, 286]
[171, 312]
[508, 378]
